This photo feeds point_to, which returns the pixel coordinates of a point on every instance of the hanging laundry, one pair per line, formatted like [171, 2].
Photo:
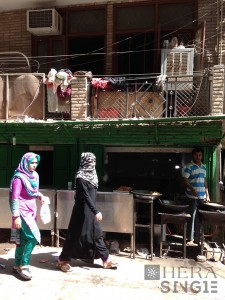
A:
[160, 82]
[59, 90]
[60, 80]
[99, 83]
[64, 94]
[52, 101]
[64, 90]
[118, 83]
[52, 98]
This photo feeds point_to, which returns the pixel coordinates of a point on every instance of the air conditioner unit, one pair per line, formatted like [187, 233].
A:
[44, 22]
[175, 63]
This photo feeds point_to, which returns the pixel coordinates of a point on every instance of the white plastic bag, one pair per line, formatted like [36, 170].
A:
[45, 213]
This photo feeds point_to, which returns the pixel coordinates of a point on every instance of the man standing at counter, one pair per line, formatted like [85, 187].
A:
[194, 178]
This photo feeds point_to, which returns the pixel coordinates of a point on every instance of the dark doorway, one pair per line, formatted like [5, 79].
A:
[45, 169]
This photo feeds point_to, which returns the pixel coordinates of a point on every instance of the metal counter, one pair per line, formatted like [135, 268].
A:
[6, 216]
[64, 207]
[65, 202]
[116, 208]
[5, 213]
[117, 211]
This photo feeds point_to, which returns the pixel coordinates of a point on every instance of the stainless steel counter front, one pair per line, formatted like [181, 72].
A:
[116, 208]
[65, 202]
[64, 207]
[5, 213]
[6, 216]
[117, 211]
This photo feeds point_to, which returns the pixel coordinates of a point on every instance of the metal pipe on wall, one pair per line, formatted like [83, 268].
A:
[7, 98]
[219, 35]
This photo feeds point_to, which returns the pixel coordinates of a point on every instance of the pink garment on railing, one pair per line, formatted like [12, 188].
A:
[99, 83]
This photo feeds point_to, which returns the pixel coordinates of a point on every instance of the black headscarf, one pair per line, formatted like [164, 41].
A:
[87, 169]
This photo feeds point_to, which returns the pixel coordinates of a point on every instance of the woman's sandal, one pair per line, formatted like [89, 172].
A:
[64, 266]
[110, 265]
[15, 269]
[24, 272]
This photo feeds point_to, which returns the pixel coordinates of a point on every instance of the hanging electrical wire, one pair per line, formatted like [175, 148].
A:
[98, 52]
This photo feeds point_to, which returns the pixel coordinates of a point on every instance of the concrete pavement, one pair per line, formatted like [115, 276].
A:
[134, 278]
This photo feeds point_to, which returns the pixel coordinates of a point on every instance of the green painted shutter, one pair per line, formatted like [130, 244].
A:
[98, 150]
[10, 157]
[61, 165]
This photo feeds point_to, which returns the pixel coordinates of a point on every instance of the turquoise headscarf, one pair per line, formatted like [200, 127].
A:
[29, 179]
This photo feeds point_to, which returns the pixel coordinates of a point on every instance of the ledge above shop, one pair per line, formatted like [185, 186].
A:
[189, 131]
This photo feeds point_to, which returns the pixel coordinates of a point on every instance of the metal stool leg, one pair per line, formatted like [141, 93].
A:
[134, 236]
[161, 239]
[202, 238]
[151, 230]
[131, 244]
[184, 240]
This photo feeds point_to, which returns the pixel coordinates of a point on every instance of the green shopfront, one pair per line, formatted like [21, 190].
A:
[143, 154]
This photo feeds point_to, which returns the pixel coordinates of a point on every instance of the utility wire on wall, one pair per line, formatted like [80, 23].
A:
[61, 58]
[94, 52]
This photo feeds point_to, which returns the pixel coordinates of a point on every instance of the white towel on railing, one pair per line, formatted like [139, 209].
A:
[160, 82]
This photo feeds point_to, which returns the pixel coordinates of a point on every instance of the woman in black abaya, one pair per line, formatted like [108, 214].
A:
[84, 238]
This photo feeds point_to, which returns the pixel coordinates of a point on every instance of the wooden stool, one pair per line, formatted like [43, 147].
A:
[174, 219]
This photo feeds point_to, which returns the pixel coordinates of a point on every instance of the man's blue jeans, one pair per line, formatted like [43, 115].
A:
[193, 225]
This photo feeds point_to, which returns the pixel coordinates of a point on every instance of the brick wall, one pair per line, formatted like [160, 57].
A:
[14, 35]
[210, 12]
[217, 90]
[217, 104]
[109, 42]
[79, 98]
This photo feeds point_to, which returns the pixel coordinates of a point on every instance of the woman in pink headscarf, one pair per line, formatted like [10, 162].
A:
[24, 190]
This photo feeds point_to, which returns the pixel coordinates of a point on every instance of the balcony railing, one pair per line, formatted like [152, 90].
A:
[153, 98]
[23, 95]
